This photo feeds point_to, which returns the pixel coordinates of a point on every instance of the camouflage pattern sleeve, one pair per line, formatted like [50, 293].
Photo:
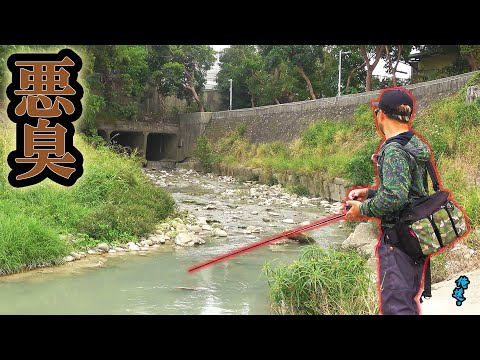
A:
[392, 194]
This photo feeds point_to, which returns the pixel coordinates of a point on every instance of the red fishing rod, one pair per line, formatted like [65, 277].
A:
[284, 235]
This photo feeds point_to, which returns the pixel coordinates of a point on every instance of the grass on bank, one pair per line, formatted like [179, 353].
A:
[113, 202]
[323, 282]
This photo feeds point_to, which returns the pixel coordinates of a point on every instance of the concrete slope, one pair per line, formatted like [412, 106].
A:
[442, 302]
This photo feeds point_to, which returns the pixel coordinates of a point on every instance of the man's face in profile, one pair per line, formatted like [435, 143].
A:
[378, 122]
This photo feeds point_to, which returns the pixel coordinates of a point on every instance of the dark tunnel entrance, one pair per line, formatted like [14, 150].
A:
[103, 134]
[161, 147]
[130, 140]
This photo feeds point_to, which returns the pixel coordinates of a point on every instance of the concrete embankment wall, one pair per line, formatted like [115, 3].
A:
[285, 122]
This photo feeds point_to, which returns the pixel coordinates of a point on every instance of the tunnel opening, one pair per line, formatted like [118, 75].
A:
[103, 134]
[161, 147]
[130, 140]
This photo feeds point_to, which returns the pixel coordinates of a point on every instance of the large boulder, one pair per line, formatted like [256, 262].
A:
[188, 239]
[363, 239]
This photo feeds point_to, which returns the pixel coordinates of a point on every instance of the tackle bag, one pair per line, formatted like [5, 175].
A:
[434, 221]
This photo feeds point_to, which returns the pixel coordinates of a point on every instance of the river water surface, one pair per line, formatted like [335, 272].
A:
[157, 282]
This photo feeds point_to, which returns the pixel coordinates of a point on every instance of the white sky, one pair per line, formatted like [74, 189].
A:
[379, 70]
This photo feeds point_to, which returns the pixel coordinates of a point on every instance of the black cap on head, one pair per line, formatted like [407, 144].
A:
[392, 99]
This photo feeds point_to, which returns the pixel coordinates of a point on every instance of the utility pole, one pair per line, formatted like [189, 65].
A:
[340, 70]
[230, 94]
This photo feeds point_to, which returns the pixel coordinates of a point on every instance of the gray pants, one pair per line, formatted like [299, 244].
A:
[400, 279]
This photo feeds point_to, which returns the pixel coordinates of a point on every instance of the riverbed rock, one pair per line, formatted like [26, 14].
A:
[185, 239]
[198, 240]
[154, 239]
[68, 258]
[146, 243]
[104, 247]
[254, 229]
[91, 252]
[202, 220]
[303, 239]
[273, 213]
[76, 256]
[288, 221]
[254, 212]
[119, 249]
[206, 227]
[181, 227]
[219, 232]
[111, 251]
[196, 228]
[170, 234]
[132, 246]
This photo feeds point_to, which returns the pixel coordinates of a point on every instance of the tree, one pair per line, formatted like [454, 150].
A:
[394, 54]
[238, 62]
[472, 53]
[120, 74]
[304, 57]
[185, 70]
[374, 54]
[353, 69]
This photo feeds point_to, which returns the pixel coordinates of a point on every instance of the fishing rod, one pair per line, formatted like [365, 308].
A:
[286, 234]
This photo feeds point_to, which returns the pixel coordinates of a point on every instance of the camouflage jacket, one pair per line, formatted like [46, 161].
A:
[401, 168]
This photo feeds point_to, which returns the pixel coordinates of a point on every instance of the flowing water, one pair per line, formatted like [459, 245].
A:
[157, 282]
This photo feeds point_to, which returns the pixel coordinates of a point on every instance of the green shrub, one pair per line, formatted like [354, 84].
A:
[319, 133]
[364, 121]
[271, 180]
[323, 282]
[360, 170]
[298, 189]
[203, 152]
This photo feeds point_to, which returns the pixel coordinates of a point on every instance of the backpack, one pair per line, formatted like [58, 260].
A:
[430, 223]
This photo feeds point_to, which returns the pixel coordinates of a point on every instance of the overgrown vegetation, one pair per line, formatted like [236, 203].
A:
[323, 282]
[111, 202]
[326, 146]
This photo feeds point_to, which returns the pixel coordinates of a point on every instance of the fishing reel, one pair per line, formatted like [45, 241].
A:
[348, 207]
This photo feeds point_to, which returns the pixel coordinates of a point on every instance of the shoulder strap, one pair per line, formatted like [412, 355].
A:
[427, 285]
[425, 180]
[433, 175]
[429, 169]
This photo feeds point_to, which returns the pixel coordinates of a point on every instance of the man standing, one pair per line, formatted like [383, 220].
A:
[401, 167]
